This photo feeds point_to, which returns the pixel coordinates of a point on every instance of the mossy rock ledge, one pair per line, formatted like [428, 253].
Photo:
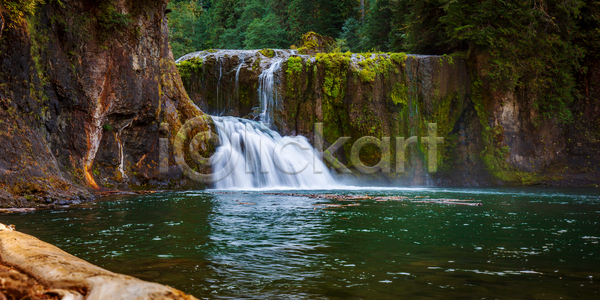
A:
[490, 137]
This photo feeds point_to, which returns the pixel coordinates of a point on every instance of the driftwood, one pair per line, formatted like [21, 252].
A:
[63, 276]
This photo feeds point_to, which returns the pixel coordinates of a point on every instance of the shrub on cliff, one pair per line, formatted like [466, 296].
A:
[313, 43]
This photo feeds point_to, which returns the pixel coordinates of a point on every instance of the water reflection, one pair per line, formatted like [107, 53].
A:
[522, 243]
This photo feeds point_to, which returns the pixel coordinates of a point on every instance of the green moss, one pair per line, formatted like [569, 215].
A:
[39, 52]
[256, 64]
[19, 10]
[294, 65]
[367, 75]
[448, 59]
[111, 21]
[303, 50]
[331, 71]
[399, 58]
[311, 44]
[335, 67]
[399, 94]
[381, 64]
[494, 155]
[188, 67]
[270, 53]
[294, 70]
[245, 95]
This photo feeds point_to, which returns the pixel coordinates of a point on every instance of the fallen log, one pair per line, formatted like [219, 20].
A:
[65, 276]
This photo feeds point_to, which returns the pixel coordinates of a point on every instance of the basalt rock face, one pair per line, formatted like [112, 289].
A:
[352, 95]
[85, 88]
[582, 137]
[521, 147]
[491, 136]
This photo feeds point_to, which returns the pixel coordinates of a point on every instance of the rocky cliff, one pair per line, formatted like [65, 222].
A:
[87, 90]
[490, 136]
[522, 147]
[386, 95]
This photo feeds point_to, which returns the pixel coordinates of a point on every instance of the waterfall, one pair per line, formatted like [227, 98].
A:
[236, 86]
[253, 156]
[266, 91]
[219, 83]
[119, 140]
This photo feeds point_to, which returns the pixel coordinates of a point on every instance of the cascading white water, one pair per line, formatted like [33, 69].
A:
[237, 80]
[219, 83]
[253, 156]
[250, 154]
[266, 90]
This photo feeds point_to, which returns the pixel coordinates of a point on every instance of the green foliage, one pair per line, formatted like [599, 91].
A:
[19, 10]
[325, 17]
[294, 65]
[188, 27]
[110, 20]
[422, 30]
[399, 58]
[399, 94]
[265, 32]
[107, 127]
[530, 46]
[340, 45]
[379, 64]
[188, 67]
[335, 66]
[377, 27]
[350, 33]
[196, 25]
[270, 53]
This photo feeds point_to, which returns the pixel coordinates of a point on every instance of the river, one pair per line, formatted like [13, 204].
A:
[521, 243]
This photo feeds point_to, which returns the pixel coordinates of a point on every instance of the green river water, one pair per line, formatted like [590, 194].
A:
[522, 243]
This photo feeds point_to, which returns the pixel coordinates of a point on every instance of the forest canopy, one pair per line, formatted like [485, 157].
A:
[538, 45]
[415, 26]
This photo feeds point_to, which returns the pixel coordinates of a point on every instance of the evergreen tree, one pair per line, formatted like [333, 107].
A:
[531, 45]
[350, 33]
[377, 27]
[188, 27]
[266, 33]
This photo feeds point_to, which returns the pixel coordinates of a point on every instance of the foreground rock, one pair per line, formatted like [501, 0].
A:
[84, 100]
[37, 270]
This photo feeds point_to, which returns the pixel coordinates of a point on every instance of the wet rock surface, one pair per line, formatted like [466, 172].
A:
[85, 89]
[352, 95]
[491, 136]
